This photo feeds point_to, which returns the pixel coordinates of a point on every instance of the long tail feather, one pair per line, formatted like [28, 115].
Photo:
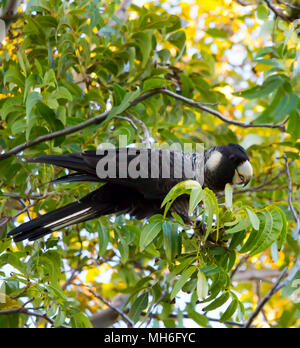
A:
[63, 217]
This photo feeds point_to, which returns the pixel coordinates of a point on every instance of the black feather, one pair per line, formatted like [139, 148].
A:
[140, 197]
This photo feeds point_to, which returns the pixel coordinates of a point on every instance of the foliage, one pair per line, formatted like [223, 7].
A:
[65, 63]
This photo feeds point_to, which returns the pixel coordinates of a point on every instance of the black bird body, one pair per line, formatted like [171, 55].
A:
[136, 182]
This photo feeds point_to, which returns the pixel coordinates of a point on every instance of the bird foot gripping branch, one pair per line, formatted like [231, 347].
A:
[136, 182]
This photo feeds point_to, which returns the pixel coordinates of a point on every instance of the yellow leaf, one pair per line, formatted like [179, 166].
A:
[92, 274]
[261, 67]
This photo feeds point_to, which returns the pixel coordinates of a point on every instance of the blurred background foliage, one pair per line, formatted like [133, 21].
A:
[65, 62]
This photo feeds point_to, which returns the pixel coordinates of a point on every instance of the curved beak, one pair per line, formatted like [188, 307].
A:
[246, 183]
[243, 174]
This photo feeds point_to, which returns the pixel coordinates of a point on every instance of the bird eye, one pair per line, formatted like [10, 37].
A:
[242, 177]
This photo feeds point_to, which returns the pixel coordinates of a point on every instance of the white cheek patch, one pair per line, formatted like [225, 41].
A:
[245, 170]
[214, 161]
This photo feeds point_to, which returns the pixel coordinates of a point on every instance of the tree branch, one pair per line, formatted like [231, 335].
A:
[109, 316]
[290, 195]
[276, 12]
[29, 312]
[100, 118]
[269, 295]
[10, 14]
[127, 320]
[251, 275]
[111, 305]
[142, 125]
[221, 117]
[271, 6]
[121, 12]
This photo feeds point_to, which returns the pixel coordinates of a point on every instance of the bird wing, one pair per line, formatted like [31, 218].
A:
[150, 172]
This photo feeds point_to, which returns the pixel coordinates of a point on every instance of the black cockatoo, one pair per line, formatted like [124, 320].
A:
[136, 182]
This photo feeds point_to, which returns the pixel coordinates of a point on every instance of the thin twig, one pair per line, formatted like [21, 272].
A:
[25, 210]
[128, 120]
[257, 285]
[129, 322]
[269, 295]
[221, 117]
[288, 5]
[290, 195]
[186, 316]
[28, 312]
[271, 6]
[276, 11]
[240, 264]
[142, 126]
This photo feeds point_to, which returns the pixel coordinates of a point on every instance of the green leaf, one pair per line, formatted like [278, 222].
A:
[217, 302]
[186, 275]
[270, 85]
[80, 321]
[50, 78]
[13, 75]
[221, 281]
[155, 82]
[119, 94]
[24, 63]
[217, 33]
[184, 187]
[230, 311]
[138, 306]
[178, 39]
[274, 252]
[283, 234]
[148, 234]
[211, 209]
[287, 104]
[63, 93]
[172, 241]
[32, 99]
[103, 237]
[197, 195]
[198, 318]
[202, 286]
[228, 196]
[60, 318]
[262, 12]
[48, 115]
[186, 263]
[253, 218]
[124, 250]
[271, 231]
[11, 105]
[154, 21]
[281, 106]
[18, 127]
[243, 225]
[294, 125]
[143, 42]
